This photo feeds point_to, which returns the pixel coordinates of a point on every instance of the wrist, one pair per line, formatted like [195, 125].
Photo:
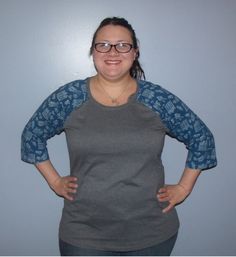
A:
[187, 191]
[49, 172]
[54, 182]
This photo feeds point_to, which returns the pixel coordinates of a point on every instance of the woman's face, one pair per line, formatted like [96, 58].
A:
[113, 65]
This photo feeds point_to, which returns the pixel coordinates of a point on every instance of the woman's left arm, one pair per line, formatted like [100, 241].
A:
[184, 125]
[175, 194]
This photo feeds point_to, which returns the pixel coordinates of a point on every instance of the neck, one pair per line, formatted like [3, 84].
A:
[118, 84]
[116, 91]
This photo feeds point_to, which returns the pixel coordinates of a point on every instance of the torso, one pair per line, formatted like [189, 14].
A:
[115, 151]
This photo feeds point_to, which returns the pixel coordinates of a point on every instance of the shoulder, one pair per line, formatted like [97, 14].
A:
[80, 84]
[148, 86]
[63, 100]
[150, 90]
[160, 100]
[76, 88]
[155, 95]
[70, 94]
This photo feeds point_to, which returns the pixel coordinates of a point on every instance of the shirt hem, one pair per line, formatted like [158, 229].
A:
[133, 246]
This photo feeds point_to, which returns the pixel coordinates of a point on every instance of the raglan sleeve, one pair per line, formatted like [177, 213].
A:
[183, 124]
[46, 122]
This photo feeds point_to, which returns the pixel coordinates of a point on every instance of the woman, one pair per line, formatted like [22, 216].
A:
[116, 201]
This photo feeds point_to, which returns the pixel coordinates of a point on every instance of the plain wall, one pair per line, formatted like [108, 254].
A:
[187, 46]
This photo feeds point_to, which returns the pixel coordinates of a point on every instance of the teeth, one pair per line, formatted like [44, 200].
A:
[112, 62]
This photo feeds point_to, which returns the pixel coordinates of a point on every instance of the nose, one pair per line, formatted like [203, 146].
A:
[113, 51]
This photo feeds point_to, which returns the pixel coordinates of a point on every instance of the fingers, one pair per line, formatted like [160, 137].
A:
[162, 190]
[70, 179]
[65, 186]
[168, 208]
[68, 197]
[70, 190]
[70, 187]
[163, 195]
[173, 194]
[70, 183]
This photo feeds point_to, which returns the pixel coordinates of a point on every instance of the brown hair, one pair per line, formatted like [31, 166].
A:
[136, 70]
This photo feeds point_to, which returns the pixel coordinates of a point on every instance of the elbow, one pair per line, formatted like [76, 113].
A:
[202, 152]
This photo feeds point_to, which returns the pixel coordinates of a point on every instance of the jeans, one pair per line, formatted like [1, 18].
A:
[163, 249]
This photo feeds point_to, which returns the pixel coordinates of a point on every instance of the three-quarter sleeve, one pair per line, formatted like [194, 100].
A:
[49, 120]
[183, 124]
[46, 122]
[188, 128]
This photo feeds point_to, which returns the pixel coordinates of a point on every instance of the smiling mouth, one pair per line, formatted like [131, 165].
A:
[112, 62]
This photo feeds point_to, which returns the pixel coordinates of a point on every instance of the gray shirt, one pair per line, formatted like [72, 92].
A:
[115, 152]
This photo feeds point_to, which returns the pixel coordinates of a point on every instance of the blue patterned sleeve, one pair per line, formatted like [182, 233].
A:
[184, 125]
[48, 121]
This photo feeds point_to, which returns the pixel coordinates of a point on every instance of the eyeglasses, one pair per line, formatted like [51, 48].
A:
[106, 47]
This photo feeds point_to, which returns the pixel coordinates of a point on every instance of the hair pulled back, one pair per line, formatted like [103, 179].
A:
[136, 70]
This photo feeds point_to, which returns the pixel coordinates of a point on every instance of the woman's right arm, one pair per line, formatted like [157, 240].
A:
[46, 122]
[62, 186]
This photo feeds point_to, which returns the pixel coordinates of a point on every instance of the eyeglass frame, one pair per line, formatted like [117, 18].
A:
[115, 46]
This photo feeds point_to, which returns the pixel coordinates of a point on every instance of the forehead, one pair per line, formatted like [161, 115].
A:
[114, 33]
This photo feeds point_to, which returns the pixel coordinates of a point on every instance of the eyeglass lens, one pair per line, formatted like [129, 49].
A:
[120, 47]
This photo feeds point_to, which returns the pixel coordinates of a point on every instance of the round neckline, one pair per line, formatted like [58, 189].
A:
[131, 98]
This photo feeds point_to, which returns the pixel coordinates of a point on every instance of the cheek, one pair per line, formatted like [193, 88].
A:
[96, 61]
[130, 57]
[129, 60]
[98, 57]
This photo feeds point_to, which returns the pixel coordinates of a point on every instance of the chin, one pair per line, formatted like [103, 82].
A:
[115, 76]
